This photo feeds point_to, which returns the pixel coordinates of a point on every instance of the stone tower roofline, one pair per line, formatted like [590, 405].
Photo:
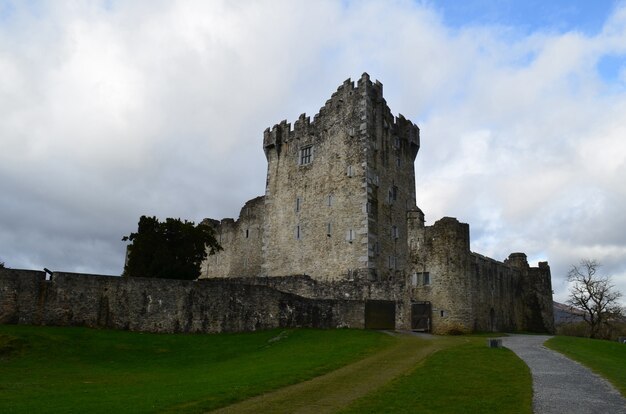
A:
[404, 129]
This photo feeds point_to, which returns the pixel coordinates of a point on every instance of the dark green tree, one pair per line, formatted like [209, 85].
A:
[172, 249]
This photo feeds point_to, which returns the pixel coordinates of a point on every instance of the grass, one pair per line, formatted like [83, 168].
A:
[606, 358]
[466, 377]
[53, 369]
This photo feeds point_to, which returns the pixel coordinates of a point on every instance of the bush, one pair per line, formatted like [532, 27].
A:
[610, 331]
[452, 328]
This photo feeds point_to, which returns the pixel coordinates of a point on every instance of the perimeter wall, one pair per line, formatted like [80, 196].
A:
[163, 305]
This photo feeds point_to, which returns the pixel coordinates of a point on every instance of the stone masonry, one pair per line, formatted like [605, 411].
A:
[162, 305]
[340, 208]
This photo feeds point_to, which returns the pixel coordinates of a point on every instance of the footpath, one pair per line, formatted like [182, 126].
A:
[337, 389]
[561, 385]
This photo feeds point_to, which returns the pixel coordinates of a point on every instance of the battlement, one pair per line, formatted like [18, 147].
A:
[349, 99]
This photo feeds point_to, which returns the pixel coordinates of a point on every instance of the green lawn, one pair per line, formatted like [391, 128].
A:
[52, 369]
[607, 358]
[467, 377]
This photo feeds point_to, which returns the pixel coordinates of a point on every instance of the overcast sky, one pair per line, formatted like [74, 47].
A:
[110, 110]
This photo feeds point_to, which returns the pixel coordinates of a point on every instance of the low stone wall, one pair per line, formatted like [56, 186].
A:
[161, 305]
[357, 289]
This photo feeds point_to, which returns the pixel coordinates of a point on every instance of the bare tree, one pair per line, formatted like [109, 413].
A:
[593, 294]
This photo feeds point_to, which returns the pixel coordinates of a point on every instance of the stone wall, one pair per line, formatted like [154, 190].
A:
[359, 289]
[315, 221]
[162, 305]
[241, 241]
[471, 292]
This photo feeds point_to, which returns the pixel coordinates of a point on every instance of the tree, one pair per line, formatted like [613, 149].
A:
[172, 249]
[594, 295]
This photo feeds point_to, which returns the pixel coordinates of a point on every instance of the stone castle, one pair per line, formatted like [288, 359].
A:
[340, 213]
[337, 241]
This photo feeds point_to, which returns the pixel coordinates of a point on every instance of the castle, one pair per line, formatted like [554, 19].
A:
[339, 220]
[337, 241]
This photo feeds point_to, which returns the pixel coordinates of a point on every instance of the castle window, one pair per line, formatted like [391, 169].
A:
[349, 171]
[394, 232]
[329, 229]
[298, 204]
[392, 262]
[398, 162]
[426, 278]
[414, 279]
[329, 200]
[298, 233]
[306, 155]
[393, 194]
[247, 233]
[350, 235]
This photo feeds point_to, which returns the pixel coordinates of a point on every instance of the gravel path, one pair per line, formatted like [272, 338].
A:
[561, 385]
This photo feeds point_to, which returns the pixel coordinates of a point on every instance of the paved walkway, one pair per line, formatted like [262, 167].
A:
[561, 385]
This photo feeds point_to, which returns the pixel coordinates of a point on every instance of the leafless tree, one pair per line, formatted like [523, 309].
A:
[593, 294]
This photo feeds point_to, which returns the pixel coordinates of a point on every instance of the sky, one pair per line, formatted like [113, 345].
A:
[115, 109]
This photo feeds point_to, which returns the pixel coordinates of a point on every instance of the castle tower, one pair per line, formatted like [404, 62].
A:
[339, 188]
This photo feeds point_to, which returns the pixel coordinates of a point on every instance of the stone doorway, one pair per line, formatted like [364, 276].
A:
[421, 316]
[380, 314]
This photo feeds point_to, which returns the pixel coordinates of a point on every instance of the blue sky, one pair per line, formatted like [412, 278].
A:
[536, 16]
[115, 109]
[527, 16]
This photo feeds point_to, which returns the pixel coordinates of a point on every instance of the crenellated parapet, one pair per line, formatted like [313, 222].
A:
[408, 132]
[349, 100]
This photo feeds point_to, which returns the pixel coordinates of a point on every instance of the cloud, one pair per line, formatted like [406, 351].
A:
[112, 110]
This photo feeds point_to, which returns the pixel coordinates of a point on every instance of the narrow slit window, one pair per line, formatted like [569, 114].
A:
[298, 204]
[298, 233]
[329, 229]
[350, 236]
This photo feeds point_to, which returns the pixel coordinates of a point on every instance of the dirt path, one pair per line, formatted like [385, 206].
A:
[335, 390]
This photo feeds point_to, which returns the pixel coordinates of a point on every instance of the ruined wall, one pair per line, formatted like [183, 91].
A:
[241, 241]
[471, 292]
[162, 305]
[357, 289]
[536, 307]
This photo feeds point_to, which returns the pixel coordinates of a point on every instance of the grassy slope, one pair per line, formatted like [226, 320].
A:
[46, 369]
[603, 357]
[468, 377]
